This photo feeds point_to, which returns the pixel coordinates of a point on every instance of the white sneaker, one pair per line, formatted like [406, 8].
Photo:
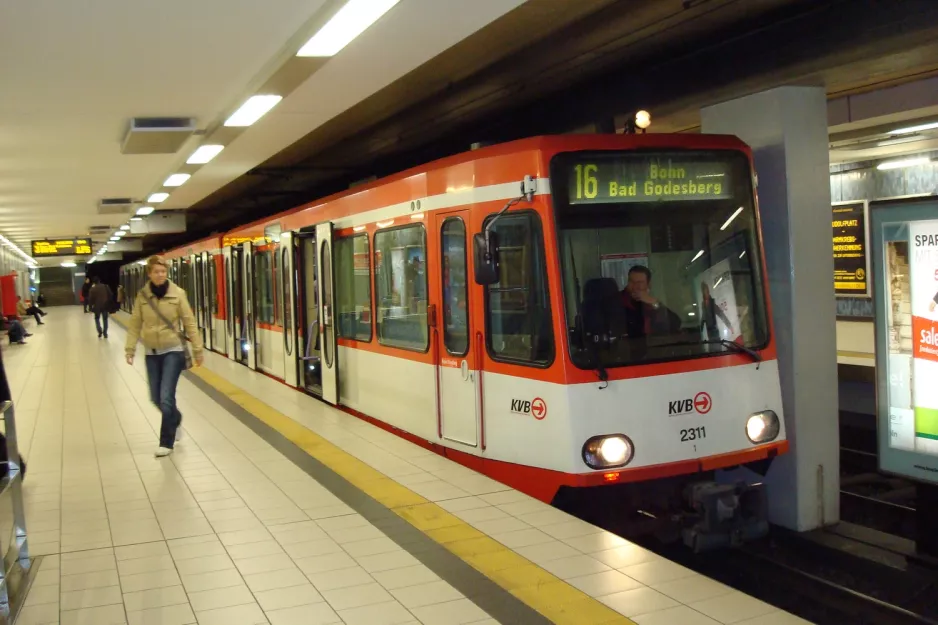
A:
[162, 452]
[179, 434]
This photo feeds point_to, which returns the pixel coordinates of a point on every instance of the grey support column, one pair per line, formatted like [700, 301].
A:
[787, 130]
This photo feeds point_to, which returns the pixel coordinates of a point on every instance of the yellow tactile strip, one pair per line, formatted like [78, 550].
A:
[545, 593]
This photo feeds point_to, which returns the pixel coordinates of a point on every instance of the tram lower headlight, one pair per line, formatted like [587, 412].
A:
[762, 427]
[608, 451]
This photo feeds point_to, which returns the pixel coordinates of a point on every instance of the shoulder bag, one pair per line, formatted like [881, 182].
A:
[182, 336]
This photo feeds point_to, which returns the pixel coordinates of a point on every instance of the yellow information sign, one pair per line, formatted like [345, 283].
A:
[62, 247]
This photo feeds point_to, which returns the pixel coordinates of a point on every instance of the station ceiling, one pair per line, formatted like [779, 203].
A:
[428, 79]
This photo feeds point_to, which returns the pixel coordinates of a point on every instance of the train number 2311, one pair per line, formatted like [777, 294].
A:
[693, 434]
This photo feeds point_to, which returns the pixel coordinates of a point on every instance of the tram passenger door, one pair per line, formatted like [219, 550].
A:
[328, 343]
[248, 344]
[206, 262]
[309, 357]
[457, 358]
[198, 286]
[288, 299]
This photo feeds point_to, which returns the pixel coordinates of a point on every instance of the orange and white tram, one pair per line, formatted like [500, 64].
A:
[481, 305]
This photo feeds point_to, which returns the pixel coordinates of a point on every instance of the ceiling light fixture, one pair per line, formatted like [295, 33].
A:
[913, 129]
[732, 217]
[176, 180]
[145, 210]
[119, 233]
[125, 227]
[136, 219]
[907, 162]
[352, 20]
[114, 239]
[156, 198]
[69, 265]
[252, 110]
[205, 154]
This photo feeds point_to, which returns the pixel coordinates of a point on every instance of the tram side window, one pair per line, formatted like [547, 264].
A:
[353, 287]
[401, 287]
[518, 323]
[265, 296]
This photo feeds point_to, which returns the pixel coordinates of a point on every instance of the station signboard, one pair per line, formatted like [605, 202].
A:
[851, 261]
[61, 247]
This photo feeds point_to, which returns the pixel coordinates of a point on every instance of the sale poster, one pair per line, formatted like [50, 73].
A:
[716, 303]
[923, 267]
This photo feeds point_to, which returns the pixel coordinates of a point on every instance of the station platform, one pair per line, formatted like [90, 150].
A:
[278, 509]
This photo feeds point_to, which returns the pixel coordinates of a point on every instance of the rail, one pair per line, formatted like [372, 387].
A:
[18, 570]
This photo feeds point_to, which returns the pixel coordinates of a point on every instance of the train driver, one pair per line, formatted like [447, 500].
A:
[645, 315]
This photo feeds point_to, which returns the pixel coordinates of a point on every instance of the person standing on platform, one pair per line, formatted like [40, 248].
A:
[159, 309]
[85, 291]
[100, 299]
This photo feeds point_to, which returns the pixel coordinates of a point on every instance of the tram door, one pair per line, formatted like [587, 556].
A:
[198, 309]
[457, 354]
[246, 343]
[329, 344]
[206, 263]
[230, 332]
[308, 340]
[288, 299]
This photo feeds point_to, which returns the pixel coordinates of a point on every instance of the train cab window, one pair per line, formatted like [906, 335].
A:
[659, 254]
[455, 287]
[401, 287]
[353, 287]
[518, 322]
[264, 288]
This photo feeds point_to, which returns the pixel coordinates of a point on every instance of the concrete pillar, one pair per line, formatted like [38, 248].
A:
[787, 130]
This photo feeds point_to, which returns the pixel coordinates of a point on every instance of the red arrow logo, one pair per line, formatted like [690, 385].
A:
[539, 408]
[703, 403]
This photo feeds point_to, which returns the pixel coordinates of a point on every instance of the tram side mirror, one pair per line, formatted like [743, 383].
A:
[485, 257]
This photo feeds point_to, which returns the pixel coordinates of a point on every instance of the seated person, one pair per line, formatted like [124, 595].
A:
[15, 331]
[22, 311]
[645, 315]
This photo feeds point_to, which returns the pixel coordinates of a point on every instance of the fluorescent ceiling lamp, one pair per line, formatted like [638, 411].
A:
[136, 219]
[908, 162]
[176, 180]
[156, 198]
[125, 227]
[252, 110]
[732, 217]
[114, 239]
[699, 254]
[205, 154]
[352, 20]
[69, 265]
[912, 129]
[141, 262]
[145, 210]
[119, 233]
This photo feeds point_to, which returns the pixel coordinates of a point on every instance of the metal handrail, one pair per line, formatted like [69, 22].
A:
[309, 341]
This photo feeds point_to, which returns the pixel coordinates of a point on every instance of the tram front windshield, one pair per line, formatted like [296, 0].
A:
[660, 256]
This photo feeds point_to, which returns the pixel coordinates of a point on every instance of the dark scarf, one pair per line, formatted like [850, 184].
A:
[159, 291]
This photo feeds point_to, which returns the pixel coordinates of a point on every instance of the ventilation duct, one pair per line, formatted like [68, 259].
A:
[157, 135]
[115, 206]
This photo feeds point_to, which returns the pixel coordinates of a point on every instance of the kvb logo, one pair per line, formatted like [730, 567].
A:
[536, 407]
[700, 403]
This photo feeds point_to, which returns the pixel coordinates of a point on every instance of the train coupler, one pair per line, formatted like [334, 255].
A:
[727, 515]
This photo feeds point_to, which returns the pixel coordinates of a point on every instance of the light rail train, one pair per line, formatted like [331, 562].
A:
[483, 306]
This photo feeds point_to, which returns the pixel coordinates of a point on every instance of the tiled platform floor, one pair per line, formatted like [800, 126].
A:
[228, 531]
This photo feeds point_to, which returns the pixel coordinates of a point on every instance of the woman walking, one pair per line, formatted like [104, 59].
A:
[159, 310]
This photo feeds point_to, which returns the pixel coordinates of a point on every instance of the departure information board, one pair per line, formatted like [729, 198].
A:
[851, 266]
[62, 247]
[648, 178]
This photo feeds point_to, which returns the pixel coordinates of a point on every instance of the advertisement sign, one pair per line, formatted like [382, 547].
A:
[923, 270]
[851, 264]
[716, 301]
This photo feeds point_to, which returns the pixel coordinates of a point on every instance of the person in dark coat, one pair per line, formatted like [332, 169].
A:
[85, 290]
[100, 298]
[6, 395]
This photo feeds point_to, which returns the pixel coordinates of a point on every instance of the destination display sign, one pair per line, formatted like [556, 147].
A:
[851, 268]
[62, 247]
[648, 178]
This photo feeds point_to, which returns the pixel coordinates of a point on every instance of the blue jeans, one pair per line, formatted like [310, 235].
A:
[163, 373]
[97, 322]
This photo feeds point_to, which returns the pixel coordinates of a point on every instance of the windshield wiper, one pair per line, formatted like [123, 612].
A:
[731, 345]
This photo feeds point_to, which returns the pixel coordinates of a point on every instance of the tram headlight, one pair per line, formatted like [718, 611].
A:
[608, 451]
[762, 427]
